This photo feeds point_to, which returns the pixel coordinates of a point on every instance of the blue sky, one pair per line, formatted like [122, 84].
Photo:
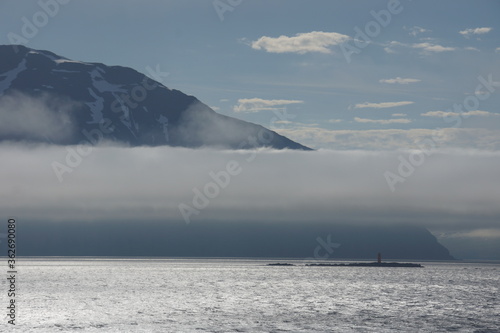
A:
[391, 93]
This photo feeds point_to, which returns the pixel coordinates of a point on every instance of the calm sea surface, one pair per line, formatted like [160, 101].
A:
[224, 295]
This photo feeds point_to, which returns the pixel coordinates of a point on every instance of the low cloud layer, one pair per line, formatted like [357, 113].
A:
[456, 191]
[33, 118]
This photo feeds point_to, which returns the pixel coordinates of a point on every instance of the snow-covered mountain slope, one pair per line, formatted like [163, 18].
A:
[48, 98]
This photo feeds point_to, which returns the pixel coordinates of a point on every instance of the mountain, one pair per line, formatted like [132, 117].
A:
[49, 98]
[314, 241]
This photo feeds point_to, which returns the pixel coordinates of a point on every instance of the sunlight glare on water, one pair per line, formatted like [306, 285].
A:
[224, 295]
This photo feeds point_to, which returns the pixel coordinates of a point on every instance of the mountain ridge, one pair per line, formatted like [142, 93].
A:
[315, 242]
[125, 105]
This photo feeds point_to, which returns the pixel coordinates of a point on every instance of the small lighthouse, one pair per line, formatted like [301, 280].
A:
[379, 258]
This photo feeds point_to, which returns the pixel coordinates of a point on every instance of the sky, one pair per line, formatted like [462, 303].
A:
[341, 89]
[399, 97]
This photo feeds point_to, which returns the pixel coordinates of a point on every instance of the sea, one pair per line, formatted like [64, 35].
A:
[55, 294]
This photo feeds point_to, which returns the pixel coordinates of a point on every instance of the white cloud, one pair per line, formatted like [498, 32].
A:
[426, 47]
[474, 31]
[416, 30]
[429, 47]
[497, 50]
[146, 183]
[390, 139]
[389, 50]
[259, 104]
[382, 105]
[390, 46]
[399, 114]
[382, 121]
[442, 114]
[334, 121]
[284, 122]
[37, 118]
[399, 80]
[470, 48]
[315, 41]
[478, 233]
